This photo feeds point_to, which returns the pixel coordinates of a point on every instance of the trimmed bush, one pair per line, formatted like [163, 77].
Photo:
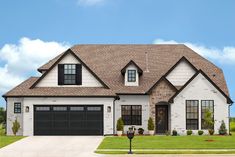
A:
[120, 124]
[189, 132]
[141, 131]
[174, 133]
[200, 132]
[150, 124]
[16, 126]
[222, 129]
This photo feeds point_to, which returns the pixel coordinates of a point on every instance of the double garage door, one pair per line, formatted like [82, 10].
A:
[68, 120]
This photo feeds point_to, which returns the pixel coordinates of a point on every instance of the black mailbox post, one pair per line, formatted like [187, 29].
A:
[130, 135]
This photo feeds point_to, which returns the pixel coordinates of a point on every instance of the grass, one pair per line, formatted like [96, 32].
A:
[169, 142]
[6, 140]
[119, 145]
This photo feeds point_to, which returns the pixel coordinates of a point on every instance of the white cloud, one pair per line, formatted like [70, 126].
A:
[90, 2]
[18, 61]
[224, 55]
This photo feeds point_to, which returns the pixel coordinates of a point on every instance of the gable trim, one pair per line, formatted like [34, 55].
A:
[61, 57]
[161, 79]
[170, 70]
[229, 101]
[140, 71]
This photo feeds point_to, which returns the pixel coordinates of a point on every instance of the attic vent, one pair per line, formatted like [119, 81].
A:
[146, 62]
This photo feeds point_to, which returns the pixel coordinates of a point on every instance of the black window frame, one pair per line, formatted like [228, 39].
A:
[192, 122]
[66, 74]
[17, 107]
[131, 75]
[202, 113]
[132, 118]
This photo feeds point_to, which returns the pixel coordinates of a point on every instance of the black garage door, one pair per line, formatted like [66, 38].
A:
[68, 120]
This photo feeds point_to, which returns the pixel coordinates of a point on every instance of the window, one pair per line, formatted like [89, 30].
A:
[42, 108]
[69, 74]
[60, 108]
[207, 105]
[131, 75]
[131, 114]
[192, 114]
[17, 107]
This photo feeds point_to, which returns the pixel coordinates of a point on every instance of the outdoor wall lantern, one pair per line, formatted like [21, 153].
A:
[130, 135]
[109, 109]
[27, 109]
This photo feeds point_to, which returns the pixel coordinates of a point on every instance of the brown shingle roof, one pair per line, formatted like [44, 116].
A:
[106, 61]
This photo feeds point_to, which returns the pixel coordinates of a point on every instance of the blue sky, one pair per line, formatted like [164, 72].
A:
[31, 32]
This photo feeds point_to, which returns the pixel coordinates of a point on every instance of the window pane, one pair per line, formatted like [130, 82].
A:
[131, 75]
[131, 114]
[43, 108]
[77, 108]
[93, 108]
[192, 114]
[207, 105]
[17, 107]
[60, 108]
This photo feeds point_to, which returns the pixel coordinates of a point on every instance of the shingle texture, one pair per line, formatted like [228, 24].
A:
[106, 61]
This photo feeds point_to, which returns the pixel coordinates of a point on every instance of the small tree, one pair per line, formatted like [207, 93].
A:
[222, 129]
[150, 124]
[208, 121]
[120, 124]
[15, 127]
[2, 115]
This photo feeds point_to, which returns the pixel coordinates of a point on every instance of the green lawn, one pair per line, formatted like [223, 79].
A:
[6, 140]
[156, 142]
[168, 142]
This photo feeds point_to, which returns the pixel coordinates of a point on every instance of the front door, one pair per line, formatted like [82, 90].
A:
[161, 119]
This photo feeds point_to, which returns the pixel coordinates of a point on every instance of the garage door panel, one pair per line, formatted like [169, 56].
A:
[68, 120]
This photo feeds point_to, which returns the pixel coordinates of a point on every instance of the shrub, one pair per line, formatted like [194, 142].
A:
[15, 127]
[211, 131]
[200, 132]
[189, 132]
[222, 129]
[150, 124]
[174, 133]
[167, 133]
[141, 131]
[120, 124]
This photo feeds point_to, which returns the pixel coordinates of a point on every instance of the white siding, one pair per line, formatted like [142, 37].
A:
[11, 116]
[181, 74]
[27, 118]
[51, 79]
[199, 89]
[142, 100]
[136, 83]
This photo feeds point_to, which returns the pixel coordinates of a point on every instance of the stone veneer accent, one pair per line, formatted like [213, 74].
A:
[162, 92]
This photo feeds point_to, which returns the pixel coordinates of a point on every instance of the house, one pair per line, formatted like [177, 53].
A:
[84, 90]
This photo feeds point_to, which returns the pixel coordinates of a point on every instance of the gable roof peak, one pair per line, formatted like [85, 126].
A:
[131, 62]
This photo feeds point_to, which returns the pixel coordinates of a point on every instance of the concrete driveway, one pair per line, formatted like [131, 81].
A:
[53, 146]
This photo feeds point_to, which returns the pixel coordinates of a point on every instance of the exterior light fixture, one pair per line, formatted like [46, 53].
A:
[27, 109]
[109, 109]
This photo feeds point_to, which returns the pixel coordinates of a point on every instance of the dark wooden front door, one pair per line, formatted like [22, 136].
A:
[161, 118]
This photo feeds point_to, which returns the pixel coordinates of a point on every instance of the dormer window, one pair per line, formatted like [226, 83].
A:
[69, 74]
[131, 75]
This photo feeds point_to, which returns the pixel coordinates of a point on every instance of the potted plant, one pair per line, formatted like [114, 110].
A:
[151, 126]
[222, 129]
[141, 131]
[120, 126]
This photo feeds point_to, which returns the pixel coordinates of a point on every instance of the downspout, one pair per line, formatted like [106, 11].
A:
[116, 98]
